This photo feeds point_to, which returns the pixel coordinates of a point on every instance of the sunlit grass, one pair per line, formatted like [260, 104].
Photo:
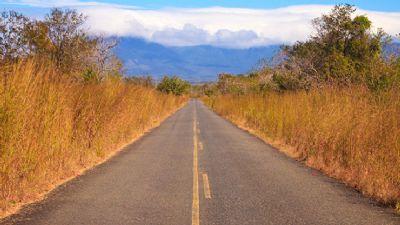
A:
[352, 134]
[52, 127]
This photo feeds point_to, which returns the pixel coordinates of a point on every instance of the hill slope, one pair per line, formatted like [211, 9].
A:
[196, 63]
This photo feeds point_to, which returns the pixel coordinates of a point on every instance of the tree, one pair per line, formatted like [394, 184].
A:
[60, 39]
[71, 46]
[173, 85]
[343, 51]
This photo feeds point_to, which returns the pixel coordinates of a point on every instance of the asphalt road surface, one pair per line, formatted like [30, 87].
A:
[197, 168]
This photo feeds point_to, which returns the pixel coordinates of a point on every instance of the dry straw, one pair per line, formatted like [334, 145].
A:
[352, 134]
[52, 127]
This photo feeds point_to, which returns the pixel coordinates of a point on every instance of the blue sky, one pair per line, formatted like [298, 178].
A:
[222, 23]
[376, 5]
[379, 5]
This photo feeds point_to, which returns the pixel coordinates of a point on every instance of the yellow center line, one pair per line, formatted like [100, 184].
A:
[195, 202]
[206, 183]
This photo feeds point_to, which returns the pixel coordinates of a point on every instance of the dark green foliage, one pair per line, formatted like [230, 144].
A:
[173, 85]
[286, 81]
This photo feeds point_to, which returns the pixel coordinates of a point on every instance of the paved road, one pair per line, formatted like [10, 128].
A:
[197, 168]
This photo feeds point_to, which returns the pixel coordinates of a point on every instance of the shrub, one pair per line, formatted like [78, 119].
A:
[173, 85]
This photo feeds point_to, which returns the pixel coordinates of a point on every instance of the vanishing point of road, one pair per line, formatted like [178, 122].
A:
[197, 168]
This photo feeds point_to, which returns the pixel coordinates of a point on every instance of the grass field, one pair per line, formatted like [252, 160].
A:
[351, 134]
[51, 127]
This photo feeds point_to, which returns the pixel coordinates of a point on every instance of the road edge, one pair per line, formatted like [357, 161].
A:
[285, 150]
[111, 154]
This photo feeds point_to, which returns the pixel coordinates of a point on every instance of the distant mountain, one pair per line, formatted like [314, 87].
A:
[197, 63]
[392, 49]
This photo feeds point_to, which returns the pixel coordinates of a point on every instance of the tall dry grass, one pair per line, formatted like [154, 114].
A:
[51, 127]
[351, 134]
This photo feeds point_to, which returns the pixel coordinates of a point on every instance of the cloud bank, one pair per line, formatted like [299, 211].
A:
[217, 26]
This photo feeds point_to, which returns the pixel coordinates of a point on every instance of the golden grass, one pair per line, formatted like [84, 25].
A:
[352, 134]
[51, 128]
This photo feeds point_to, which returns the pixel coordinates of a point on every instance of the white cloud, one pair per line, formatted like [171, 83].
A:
[191, 35]
[62, 3]
[228, 27]
[188, 35]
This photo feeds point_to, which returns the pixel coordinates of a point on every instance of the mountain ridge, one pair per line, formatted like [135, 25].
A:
[193, 63]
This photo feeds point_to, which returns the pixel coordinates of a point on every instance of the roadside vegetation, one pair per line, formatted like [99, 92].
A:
[64, 103]
[174, 85]
[332, 101]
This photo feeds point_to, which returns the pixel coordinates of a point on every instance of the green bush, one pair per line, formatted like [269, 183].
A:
[173, 85]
